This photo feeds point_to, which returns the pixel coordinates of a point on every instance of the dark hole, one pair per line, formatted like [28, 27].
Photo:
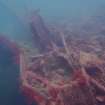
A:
[93, 71]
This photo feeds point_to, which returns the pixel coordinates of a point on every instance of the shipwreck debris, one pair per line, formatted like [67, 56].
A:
[41, 33]
[73, 74]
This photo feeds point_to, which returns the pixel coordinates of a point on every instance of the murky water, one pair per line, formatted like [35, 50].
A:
[14, 12]
[14, 19]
